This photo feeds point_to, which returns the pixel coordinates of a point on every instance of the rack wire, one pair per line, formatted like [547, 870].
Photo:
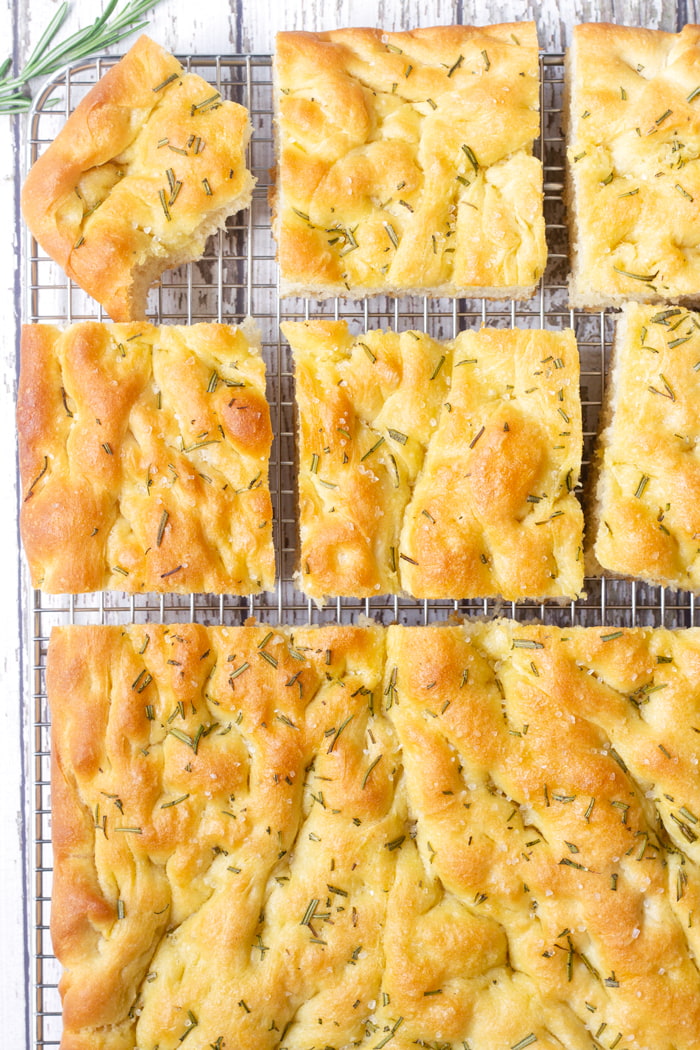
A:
[237, 277]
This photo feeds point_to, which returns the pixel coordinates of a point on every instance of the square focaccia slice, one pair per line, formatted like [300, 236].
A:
[633, 170]
[406, 162]
[444, 470]
[646, 498]
[553, 779]
[144, 458]
[226, 819]
[150, 163]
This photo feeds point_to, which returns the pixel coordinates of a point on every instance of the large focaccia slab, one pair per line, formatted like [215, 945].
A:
[480, 836]
[149, 164]
[633, 174]
[646, 503]
[444, 470]
[144, 457]
[405, 162]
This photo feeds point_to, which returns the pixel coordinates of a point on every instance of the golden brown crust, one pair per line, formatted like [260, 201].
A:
[483, 834]
[405, 162]
[634, 139]
[549, 772]
[647, 497]
[443, 470]
[139, 176]
[144, 459]
[245, 794]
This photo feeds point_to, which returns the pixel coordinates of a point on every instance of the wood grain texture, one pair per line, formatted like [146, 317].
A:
[236, 25]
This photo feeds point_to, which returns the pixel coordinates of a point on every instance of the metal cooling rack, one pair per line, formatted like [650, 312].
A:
[236, 277]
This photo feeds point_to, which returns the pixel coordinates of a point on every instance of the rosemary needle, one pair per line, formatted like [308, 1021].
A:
[44, 60]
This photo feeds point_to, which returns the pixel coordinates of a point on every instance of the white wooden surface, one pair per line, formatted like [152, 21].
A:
[210, 26]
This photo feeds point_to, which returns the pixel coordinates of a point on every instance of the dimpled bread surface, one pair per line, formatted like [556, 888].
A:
[442, 470]
[480, 835]
[405, 162]
[144, 458]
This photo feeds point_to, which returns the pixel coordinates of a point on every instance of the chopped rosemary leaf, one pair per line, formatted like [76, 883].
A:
[527, 1041]
[683, 193]
[610, 637]
[643, 482]
[369, 353]
[374, 447]
[487, 63]
[396, 435]
[239, 670]
[207, 188]
[471, 158]
[438, 366]
[663, 117]
[476, 437]
[369, 770]
[337, 733]
[526, 643]
[287, 721]
[175, 802]
[647, 278]
[267, 656]
[309, 913]
[164, 204]
[121, 912]
[693, 94]
[200, 106]
[391, 234]
[456, 66]
[161, 527]
[168, 80]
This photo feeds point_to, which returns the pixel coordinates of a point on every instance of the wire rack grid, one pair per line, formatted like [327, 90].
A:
[238, 277]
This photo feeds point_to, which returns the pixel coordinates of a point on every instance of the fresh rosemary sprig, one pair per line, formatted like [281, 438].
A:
[45, 60]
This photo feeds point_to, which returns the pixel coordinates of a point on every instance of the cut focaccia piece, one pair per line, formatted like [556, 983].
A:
[406, 164]
[144, 458]
[552, 778]
[150, 163]
[646, 501]
[440, 470]
[493, 511]
[366, 409]
[224, 839]
[633, 168]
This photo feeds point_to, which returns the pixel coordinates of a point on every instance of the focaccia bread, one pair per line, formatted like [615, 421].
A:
[633, 173]
[144, 458]
[646, 498]
[474, 836]
[405, 162]
[150, 163]
[442, 470]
